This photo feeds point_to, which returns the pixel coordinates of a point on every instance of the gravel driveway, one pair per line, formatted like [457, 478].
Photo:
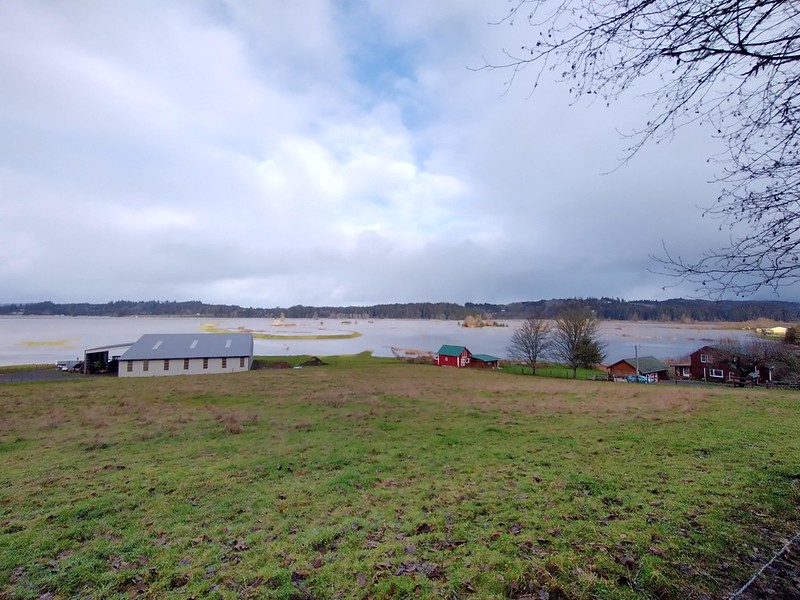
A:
[36, 375]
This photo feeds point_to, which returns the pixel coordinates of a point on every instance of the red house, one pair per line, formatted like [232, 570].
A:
[452, 356]
[721, 366]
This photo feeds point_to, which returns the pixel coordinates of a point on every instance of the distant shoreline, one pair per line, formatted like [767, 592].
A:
[676, 310]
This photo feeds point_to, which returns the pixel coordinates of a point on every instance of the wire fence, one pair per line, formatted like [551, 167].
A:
[789, 580]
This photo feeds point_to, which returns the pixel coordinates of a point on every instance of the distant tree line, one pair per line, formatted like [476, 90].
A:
[676, 310]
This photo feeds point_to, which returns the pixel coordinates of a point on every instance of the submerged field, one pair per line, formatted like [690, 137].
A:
[370, 478]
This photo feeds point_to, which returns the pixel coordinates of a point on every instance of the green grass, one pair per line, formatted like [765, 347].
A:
[347, 361]
[555, 370]
[374, 478]
[22, 368]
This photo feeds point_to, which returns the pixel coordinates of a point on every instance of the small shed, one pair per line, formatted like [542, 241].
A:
[484, 361]
[452, 356]
[648, 366]
[103, 359]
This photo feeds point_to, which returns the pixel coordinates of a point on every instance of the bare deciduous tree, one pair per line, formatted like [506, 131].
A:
[783, 359]
[576, 340]
[732, 65]
[530, 342]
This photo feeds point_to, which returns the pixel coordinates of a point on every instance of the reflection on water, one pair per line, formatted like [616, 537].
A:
[25, 340]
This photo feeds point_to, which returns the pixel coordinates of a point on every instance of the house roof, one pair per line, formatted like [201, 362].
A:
[485, 357]
[449, 350]
[153, 346]
[705, 349]
[111, 347]
[647, 364]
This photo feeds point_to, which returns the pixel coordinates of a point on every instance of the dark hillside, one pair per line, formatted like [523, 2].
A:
[675, 310]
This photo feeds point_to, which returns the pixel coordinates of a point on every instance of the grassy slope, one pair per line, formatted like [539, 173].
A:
[372, 478]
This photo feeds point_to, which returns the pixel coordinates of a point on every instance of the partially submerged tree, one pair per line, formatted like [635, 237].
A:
[530, 342]
[576, 340]
[733, 66]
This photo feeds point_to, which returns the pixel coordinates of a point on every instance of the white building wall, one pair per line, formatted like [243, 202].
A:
[155, 368]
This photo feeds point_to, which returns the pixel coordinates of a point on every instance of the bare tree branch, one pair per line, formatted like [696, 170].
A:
[730, 64]
[576, 339]
[530, 342]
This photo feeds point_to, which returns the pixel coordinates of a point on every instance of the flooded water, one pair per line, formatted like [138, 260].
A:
[27, 340]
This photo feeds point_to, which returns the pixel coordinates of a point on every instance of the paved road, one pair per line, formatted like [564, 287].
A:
[37, 375]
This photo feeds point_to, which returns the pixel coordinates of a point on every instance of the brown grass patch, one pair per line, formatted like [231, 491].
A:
[233, 423]
[56, 417]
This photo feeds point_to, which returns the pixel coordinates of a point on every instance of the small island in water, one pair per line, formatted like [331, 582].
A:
[473, 321]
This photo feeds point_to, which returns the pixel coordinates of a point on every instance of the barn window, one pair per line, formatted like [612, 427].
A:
[687, 371]
[185, 364]
[205, 363]
[224, 363]
[130, 366]
[241, 362]
[717, 373]
[166, 364]
[145, 365]
[704, 358]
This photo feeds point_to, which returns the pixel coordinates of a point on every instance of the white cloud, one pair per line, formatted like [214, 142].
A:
[267, 153]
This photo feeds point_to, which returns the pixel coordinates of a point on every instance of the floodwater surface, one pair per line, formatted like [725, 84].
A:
[40, 340]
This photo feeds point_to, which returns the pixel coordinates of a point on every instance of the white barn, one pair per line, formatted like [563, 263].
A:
[158, 354]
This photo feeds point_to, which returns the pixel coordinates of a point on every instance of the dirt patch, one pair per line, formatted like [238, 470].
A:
[262, 364]
[313, 362]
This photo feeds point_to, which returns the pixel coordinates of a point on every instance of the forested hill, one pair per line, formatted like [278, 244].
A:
[605, 308]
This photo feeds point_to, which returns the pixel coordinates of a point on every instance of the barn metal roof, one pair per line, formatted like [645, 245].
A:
[485, 357]
[647, 364]
[110, 347]
[154, 346]
[448, 350]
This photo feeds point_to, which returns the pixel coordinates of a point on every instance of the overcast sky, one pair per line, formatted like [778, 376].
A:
[275, 153]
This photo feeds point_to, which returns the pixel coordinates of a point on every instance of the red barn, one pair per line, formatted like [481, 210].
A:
[452, 356]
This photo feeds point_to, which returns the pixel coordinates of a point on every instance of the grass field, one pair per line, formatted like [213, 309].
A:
[370, 478]
[555, 370]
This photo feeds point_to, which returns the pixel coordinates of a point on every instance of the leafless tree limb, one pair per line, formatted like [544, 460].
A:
[530, 342]
[731, 65]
